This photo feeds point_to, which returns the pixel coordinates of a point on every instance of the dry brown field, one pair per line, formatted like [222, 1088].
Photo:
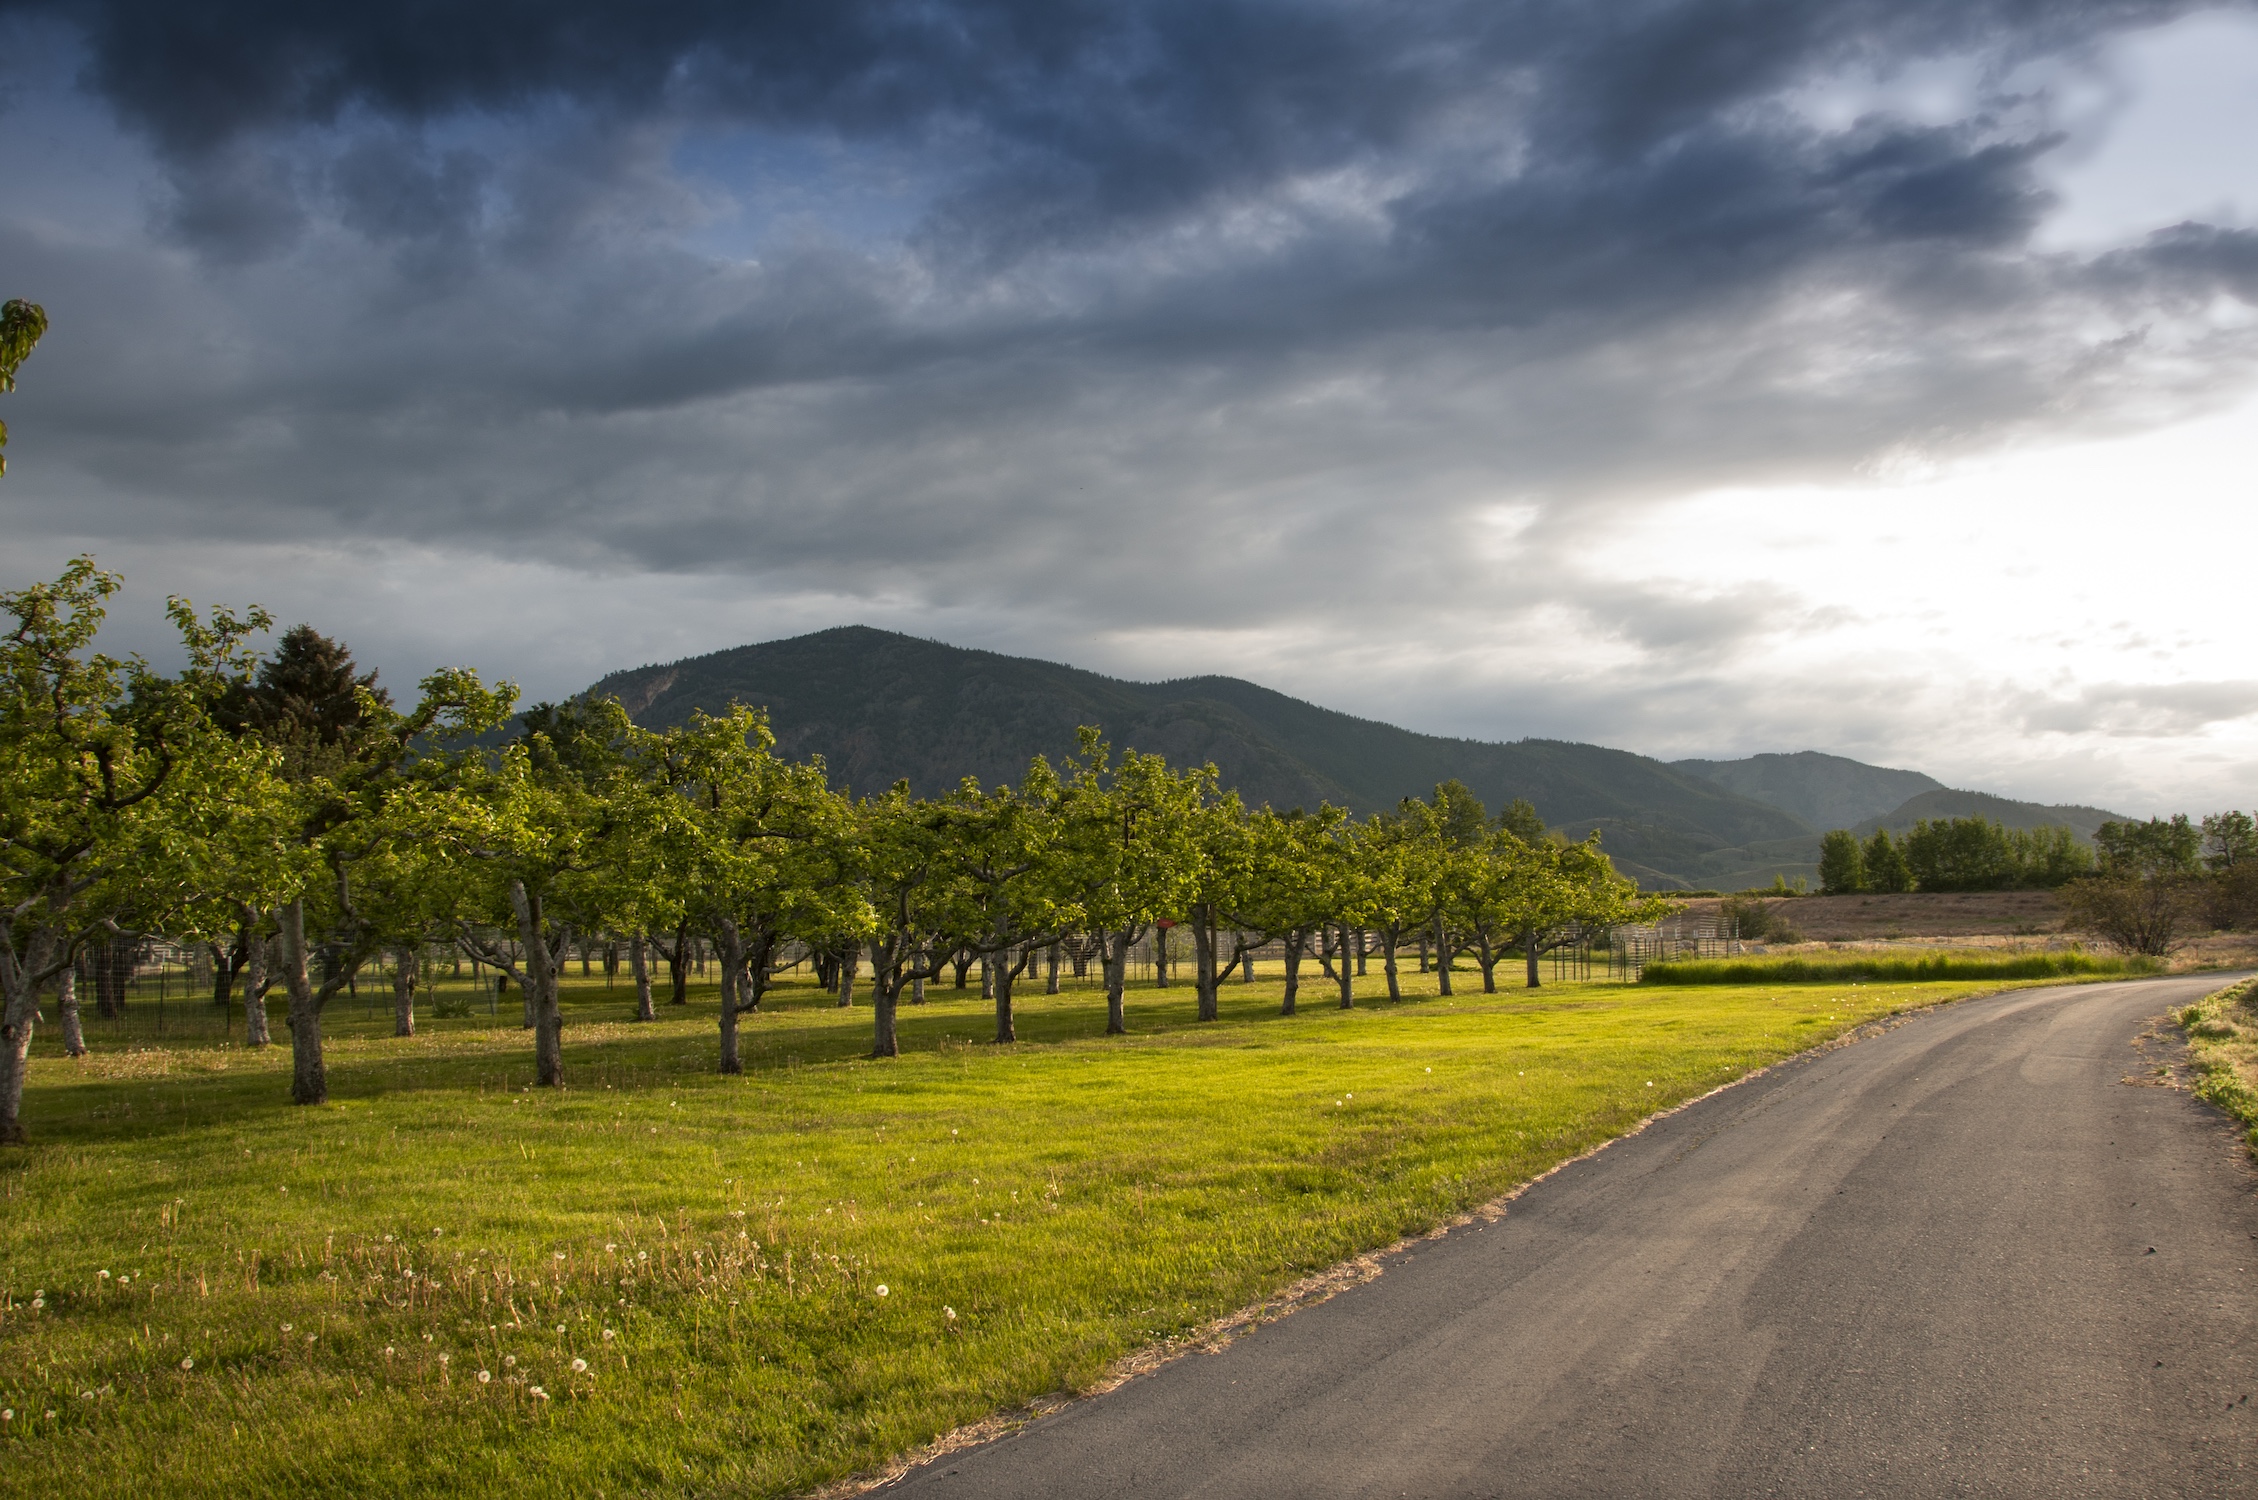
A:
[1975, 919]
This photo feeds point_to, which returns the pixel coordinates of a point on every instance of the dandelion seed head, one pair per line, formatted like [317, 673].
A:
[609, 1335]
[484, 1376]
[537, 1393]
[188, 1363]
[949, 1313]
[580, 1367]
[286, 1328]
[104, 1275]
[509, 1361]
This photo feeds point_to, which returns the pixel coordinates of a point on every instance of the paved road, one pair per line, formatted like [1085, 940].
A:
[1965, 1257]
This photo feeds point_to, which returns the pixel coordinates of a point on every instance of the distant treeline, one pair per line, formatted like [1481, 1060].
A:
[1953, 854]
[2140, 886]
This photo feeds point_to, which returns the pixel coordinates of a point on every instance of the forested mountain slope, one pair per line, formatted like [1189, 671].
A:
[881, 707]
[1825, 791]
[1945, 802]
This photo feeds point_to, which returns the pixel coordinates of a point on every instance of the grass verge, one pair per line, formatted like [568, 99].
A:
[662, 1281]
[1932, 968]
[2222, 1035]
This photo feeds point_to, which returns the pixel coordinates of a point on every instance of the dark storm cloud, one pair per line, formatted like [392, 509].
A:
[1231, 313]
[1087, 117]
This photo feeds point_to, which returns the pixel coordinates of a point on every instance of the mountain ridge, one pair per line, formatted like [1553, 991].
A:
[878, 706]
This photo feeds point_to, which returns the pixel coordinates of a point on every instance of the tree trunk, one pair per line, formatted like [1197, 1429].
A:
[66, 1011]
[1000, 974]
[963, 964]
[638, 959]
[1487, 957]
[1362, 944]
[255, 982]
[309, 1080]
[1295, 942]
[850, 961]
[540, 987]
[227, 964]
[1442, 956]
[1388, 938]
[1050, 981]
[404, 992]
[987, 977]
[1160, 958]
[22, 1018]
[1203, 961]
[1347, 977]
[1117, 979]
[883, 1000]
[19, 1019]
[917, 990]
[732, 971]
[678, 966]
[1529, 946]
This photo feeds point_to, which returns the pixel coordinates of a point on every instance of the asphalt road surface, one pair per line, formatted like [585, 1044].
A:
[1971, 1256]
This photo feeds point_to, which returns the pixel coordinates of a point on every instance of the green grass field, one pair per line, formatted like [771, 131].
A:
[662, 1281]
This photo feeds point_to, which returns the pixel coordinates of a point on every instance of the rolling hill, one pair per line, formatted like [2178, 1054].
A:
[880, 707]
[1825, 791]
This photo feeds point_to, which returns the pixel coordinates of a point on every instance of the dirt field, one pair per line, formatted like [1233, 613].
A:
[1859, 919]
[1982, 919]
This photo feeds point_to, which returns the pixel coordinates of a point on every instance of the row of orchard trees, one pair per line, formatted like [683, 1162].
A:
[287, 797]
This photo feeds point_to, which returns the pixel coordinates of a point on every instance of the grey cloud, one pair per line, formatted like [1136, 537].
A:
[1227, 314]
[2143, 710]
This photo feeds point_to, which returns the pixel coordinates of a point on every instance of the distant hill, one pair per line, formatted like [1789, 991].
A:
[1825, 791]
[1946, 803]
[880, 707]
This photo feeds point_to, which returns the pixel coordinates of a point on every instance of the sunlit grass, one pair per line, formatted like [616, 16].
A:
[302, 1300]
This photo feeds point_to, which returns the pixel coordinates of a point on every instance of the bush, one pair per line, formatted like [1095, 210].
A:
[2135, 913]
[1754, 920]
[1901, 970]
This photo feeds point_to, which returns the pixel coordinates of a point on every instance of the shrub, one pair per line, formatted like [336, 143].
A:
[1902, 970]
[2135, 913]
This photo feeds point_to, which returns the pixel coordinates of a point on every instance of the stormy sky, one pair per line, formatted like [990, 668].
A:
[1696, 376]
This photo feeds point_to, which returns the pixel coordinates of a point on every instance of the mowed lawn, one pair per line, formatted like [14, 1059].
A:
[663, 1281]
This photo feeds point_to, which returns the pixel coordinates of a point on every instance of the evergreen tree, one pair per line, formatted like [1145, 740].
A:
[306, 693]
